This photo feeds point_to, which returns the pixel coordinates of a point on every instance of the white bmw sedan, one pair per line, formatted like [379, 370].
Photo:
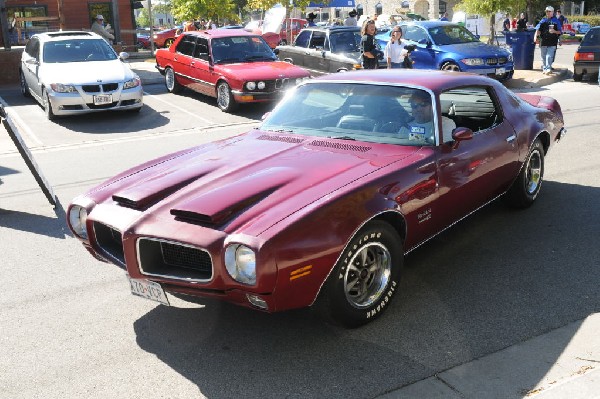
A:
[77, 72]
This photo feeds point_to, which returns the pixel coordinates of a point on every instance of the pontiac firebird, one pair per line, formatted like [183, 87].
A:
[319, 205]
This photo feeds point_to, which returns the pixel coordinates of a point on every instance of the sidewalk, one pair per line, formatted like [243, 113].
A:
[515, 372]
[522, 79]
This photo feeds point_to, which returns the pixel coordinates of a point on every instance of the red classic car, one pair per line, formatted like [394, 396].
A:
[165, 38]
[232, 65]
[319, 204]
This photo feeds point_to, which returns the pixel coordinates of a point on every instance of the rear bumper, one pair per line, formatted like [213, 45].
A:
[580, 68]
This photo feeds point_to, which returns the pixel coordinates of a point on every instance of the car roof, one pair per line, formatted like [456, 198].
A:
[57, 36]
[433, 80]
[429, 24]
[334, 28]
[215, 33]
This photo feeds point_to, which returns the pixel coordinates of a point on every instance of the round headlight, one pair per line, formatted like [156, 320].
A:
[251, 85]
[240, 262]
[77, 221]
[261, 85]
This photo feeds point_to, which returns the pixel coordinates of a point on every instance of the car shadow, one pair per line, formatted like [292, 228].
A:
[253, 111]
[496, 279]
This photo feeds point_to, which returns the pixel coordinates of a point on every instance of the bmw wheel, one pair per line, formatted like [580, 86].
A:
[365, 278]
[171, 82]
[24, 87]
[526, 187]
[48, 106]
[225, 100]
[450, 66]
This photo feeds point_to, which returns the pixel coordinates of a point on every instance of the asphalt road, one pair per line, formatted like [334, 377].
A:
[69, 326]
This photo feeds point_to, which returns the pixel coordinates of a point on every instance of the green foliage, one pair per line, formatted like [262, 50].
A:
[185, 10]
[266, 4]
[593, 20]
[143, 18]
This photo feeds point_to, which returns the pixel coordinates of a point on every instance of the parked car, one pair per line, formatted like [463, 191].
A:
[587, 57]
[232, 65]
[289, 27]
[319, 205]
[326, 49]
[143, 41]
[452, 47]
[77, 72]
[165, 38]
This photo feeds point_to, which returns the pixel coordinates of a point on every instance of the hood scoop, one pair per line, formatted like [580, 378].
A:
[339, 146]
[154, 189]
[285, 139]
[219, 205]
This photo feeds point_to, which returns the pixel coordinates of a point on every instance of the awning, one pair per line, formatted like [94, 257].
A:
[333, 3]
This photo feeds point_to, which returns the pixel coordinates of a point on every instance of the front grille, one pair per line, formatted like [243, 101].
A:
[173, 260]
[106, 87]
[127, 102]
[278, 84]
[71, 107]
[110, 242]
[496, 61]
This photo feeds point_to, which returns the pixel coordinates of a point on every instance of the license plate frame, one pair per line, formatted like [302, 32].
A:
[102, 99]
[149, 290]
[500, 71]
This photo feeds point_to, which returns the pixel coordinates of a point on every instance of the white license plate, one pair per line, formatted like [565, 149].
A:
[149, 290]
[102, 99]
[500, 71]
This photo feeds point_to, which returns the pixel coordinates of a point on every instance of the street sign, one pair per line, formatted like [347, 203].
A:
[14, 134]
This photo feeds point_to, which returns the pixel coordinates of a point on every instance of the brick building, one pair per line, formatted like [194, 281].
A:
[27, 17]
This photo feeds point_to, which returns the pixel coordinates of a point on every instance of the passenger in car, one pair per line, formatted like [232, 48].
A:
[421, 128]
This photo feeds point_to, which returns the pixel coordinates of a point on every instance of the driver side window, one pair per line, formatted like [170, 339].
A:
[415, 34]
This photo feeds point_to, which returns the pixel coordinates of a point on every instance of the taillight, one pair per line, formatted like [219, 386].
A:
[584, 56]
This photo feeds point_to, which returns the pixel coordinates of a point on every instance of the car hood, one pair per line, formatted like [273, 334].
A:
[264, 70]
[248, 183]
[476, 50]
[86, 72]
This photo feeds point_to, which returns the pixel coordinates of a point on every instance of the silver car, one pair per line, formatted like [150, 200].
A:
[77, 72]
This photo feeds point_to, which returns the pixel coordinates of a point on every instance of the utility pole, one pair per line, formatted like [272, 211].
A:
[151, 23]
[61, 16]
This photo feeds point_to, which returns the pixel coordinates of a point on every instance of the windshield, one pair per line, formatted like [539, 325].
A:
[592, 38]
[345, 42]
[356, 111]
[78, 50]
[227, 50]
[451, 34]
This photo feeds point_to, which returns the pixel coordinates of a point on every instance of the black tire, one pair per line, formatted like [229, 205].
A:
[225, 100]
[169, 42]
[365, 278]
[577, 77]
[24, 87]
[526, 187]
[450, 66]
[173, 86]
[47, 106]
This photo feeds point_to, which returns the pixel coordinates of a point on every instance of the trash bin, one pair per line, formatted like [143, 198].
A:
[523, 48]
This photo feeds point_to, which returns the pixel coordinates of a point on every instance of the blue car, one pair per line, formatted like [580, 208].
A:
[452, 47]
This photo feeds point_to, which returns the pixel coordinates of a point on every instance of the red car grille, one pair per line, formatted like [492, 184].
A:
[173, 260]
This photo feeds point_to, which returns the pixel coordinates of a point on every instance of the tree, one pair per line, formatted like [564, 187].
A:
[488, 8]
[185, 10]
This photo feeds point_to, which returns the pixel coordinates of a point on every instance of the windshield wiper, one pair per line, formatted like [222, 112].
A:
[224, 60]
[259, 58]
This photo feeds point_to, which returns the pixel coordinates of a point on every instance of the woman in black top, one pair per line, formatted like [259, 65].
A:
[522, 23]
[369, 49]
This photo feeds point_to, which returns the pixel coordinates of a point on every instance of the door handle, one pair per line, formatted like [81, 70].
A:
[511, 138]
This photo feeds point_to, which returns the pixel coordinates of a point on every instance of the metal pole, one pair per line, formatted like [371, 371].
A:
[151, 23]
[61, 16]
[116, 20]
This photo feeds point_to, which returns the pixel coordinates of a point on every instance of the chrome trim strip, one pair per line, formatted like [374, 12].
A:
[137, 249]
[194, 79]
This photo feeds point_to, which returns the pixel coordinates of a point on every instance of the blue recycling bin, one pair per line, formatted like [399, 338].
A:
[523, 48]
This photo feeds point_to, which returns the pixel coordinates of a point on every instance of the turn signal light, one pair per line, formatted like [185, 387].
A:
[584, 56]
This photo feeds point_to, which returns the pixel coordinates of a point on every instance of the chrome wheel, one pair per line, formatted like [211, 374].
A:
[225, 100]
[24, 87]
[171, 81]
[47, 106]
[533, 173]
[367, 275]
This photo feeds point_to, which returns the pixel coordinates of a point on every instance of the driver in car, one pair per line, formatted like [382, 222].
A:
[421, 128]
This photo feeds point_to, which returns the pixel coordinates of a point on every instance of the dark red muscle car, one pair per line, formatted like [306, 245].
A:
[232, 65]
[319, 205]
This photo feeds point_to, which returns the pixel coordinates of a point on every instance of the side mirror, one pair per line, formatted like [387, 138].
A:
[276, 51]
[32, 61]
[123, 55]
[265, 116]
[461, 134]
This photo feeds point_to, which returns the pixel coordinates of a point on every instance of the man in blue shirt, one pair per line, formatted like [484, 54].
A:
[444, 17]
[548, 31]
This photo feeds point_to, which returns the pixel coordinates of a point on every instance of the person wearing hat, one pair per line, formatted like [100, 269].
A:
[99, 28]
[310, 18]
[351, 20]
[548, 31]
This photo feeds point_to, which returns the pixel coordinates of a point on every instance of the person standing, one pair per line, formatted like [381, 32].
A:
[395, 52]
[351, 20]
[522, 23]
[548, 31]
[444, 17]
[506, 24]
[99, 28]
[563, 20]
[310, 18]
[370, 52]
